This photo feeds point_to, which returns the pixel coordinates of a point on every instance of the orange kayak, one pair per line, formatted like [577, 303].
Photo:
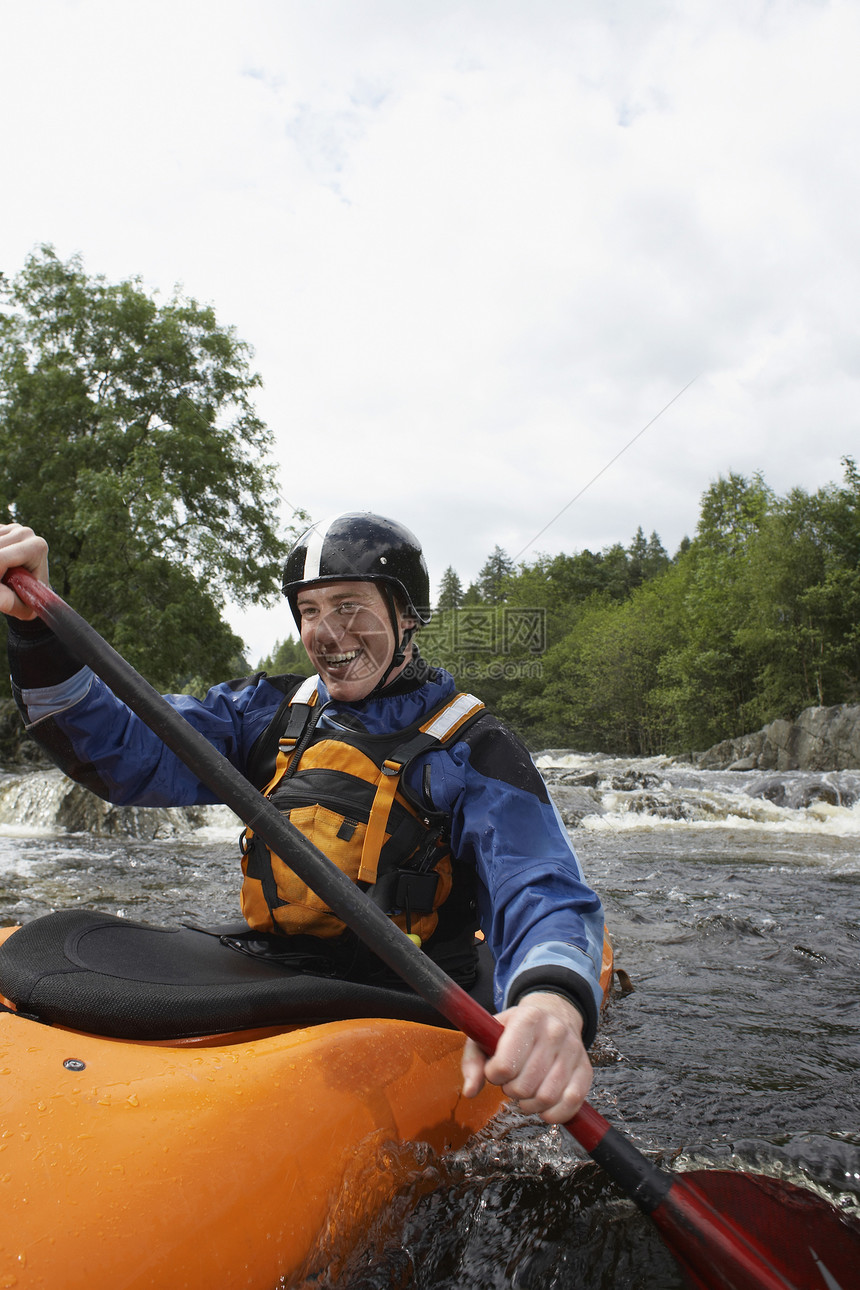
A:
[197, 1160]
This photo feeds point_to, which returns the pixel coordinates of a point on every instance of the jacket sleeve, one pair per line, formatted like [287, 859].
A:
[99, 742]
[543, 922]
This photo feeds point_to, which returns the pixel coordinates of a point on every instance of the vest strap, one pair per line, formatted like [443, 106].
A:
[301, 705]
[375, 833]
[440, 727]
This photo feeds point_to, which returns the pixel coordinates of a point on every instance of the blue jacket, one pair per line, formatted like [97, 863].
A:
[543, 923]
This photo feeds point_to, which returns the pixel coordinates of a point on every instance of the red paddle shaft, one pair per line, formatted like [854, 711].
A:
[713, 1249]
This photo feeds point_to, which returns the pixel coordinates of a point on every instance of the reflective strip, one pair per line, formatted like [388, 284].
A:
[306, 690]
[49, 700]
[447, 721]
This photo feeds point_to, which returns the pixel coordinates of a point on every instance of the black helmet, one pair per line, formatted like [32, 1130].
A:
[360, 547]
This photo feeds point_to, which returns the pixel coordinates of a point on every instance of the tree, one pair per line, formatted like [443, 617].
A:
[450, 590]
[710, 669]
[287, 658]
[630, 652]
[603, 689]
[128, 438]
[492, 578]
[646, 559]
[805, 566]
[732, 512]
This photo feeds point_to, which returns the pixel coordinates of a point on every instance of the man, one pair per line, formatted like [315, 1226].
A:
[414, 790]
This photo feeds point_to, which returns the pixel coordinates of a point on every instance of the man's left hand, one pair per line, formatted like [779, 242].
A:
[540, 1060]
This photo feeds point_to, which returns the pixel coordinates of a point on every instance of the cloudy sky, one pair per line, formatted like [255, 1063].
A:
[476, 247]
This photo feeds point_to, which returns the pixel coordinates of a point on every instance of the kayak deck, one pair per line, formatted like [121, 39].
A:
[132, 1165]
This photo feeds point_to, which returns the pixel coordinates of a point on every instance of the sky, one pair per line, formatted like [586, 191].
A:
[526, 273]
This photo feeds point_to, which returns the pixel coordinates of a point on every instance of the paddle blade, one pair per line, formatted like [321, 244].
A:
[736, 1231]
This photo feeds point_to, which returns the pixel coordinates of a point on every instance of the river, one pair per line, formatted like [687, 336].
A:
[732, 899]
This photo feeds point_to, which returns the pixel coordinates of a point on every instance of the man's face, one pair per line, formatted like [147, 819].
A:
[346, 630]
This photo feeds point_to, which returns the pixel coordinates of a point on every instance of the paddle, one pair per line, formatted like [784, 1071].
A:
[728, 1230]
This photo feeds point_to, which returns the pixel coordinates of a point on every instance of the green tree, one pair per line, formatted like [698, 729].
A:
[709, 668]
[450, 590]
[128, 438]
[647, 559]
[287, 658]
[602, 688]
[731, 513]
[805, 574]
[493, 576]
[837, 600]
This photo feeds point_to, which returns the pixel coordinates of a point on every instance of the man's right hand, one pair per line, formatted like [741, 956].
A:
[20, 548]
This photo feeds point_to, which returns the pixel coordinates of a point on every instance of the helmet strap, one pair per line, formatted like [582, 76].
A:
[401, 642]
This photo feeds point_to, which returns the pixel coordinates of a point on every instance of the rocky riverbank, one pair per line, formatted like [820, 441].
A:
[820, 739]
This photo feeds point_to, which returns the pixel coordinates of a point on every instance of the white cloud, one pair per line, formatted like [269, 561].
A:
[477, 246]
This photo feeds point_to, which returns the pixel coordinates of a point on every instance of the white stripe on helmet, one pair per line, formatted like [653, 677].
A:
[314, 549]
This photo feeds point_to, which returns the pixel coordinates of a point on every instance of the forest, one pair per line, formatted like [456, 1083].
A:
[632, 651]
[635, 652]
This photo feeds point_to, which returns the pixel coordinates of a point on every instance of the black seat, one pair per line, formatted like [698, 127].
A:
[111, 976]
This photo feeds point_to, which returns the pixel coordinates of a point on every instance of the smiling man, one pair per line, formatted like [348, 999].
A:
[410, 786]
[348, 633]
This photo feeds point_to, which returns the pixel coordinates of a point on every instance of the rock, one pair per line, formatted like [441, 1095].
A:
[82, 812]
[575, 802]
[771, 790]
[16, 746]
[632, 780]
[821, 739]
[580, 779]
[46, 799]
[835, 788]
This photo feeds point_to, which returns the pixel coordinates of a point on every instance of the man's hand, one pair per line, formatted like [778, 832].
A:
[20, 548]
[540, 1060]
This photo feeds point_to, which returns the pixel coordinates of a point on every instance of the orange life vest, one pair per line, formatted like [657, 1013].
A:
[345, 794]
